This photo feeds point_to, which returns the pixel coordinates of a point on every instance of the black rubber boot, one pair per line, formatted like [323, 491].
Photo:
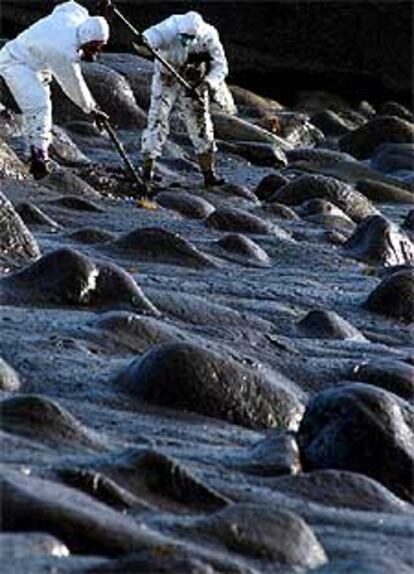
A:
[147, 170]
[39, 163]
[211, 179]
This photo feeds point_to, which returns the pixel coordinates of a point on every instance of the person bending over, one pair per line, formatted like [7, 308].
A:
[193, 47]
[52, 47]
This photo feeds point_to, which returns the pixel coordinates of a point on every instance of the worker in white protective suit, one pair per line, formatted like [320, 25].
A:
[52, 47]
[193, 47]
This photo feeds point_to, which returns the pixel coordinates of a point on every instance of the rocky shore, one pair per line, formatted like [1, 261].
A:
[224, 384]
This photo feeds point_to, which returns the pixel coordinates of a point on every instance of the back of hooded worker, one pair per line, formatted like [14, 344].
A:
[50, 47]
[53, 43]
[56, 32]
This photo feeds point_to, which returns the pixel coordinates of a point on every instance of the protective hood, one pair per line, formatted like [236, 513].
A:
[190, 23]
[71, 10]
[94, 29]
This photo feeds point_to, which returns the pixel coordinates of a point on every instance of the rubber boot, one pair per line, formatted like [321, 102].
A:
[39, 163]
[147, 169]
[206, 163]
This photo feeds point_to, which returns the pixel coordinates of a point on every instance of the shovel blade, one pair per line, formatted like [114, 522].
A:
[146, 203]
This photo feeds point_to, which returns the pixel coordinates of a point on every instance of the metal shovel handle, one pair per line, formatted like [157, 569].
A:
[121, 150]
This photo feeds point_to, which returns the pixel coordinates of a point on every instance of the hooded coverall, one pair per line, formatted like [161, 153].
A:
[165, 38]
[50, 48]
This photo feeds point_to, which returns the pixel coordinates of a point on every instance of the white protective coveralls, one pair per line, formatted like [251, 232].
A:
[166, 91]
[50, 48]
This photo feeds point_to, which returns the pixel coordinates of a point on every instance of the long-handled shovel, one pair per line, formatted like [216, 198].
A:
[143, 200]
[189, 89]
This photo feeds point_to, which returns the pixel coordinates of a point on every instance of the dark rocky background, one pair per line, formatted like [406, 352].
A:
[356, 49]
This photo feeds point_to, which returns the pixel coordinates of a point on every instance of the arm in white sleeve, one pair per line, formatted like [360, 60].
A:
[153, 37]
[161, 35]
[218, 64]
[69, 76]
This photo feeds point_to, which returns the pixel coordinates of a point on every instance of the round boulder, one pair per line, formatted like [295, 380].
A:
[394, 297]
[269, 185]
[185, 203]
[190, 378]
[317, 156]
[240, 246]
[340, 489]
[159, 245]
[389, 374]
[276, 454]
[76, 203]
[322, 212]
[66, 277]
[279, 210]
[330, 123]
[113, 94]
[84, 525]
[253, 104]
[328, 325]
[68, 183]
[229, 189]
[379, 241]
[44, 420]
[63, 277]
[354, 204]
[232, 219]
[197, 310]
[137, 71]
[363, 429]
[65, 150]
[384, 192]
[91, 235]
[264, 533]
[136, 333]
[382, 129]
[257, 153]
[115, 288]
